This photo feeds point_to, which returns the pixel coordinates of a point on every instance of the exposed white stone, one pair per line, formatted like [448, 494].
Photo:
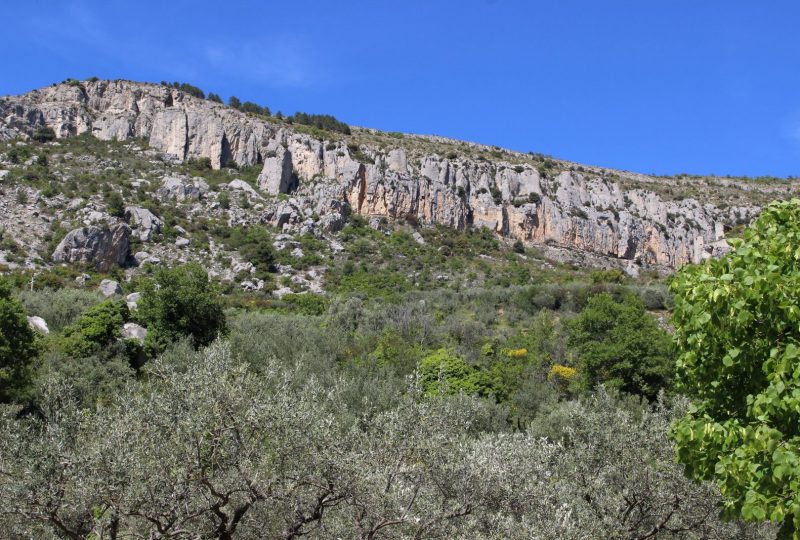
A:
[38, 324]
[109, 288]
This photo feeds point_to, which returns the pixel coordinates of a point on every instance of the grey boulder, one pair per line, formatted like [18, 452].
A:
[101, 247]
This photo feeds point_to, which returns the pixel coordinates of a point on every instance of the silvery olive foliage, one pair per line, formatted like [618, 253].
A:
[209, 448]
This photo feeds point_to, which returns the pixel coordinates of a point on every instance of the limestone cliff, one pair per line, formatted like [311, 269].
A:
[611, 214]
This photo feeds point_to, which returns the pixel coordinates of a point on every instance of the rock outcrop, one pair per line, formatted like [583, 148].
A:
[102, 248]
[109, 288]
[145, 224]
[38, 324]
[569, 207]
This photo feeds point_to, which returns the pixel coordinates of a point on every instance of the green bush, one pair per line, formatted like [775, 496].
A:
[58, 307]
[180, 302]
[254, 243]
[115, 205]
[443, 371]
[95, 330]
[18, 346]
[618, 344]
[320, 121]
[44, 134]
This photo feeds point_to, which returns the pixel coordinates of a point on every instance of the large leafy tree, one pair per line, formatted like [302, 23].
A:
[738, 329]
[620, 345]
[181, 302]
[17, 346]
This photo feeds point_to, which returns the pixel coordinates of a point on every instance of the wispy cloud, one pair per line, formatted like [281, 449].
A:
[277, 61]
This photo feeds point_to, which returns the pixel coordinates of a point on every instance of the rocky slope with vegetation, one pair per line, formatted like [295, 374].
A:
[218, 323]
[626, 219]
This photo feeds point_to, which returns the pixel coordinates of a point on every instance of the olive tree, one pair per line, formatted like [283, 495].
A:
[738, 330]
[206, 447]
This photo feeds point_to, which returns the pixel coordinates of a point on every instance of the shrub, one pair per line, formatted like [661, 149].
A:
[44, 134]
[320, 121]
[189, 89]
[96, 329]
[620, 345]
[250, 107]
[17, 346]
[115, 205]
[180, 302]
[59, 308]
[224, 200]
[255, 245]
[443, 371]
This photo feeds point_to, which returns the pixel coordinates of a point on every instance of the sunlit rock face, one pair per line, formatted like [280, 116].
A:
[328, 178]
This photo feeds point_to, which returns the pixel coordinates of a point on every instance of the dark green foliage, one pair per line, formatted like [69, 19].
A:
[189, 89]
[234, 102]
[224, 200]
[255, 245]
[518, 247]
[200, 164]
[608, 275]
[44, 134]
[115, 205]
[306, 304]
[253, 108]
[320, 121]
[180, 302]
[214, 97]
[96, 329]
[17, 346]
[620, 345]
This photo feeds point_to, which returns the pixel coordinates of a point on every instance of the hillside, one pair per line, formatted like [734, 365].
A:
[197, 158]
[223, 324]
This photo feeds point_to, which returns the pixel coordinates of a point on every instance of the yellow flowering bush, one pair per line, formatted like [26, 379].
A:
[561, 373]
[516, 353]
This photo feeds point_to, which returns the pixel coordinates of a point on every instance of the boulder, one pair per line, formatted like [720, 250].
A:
[134, 332]
[132, 300]
[38, 324]
[182, 242]
[283, 291]
[241, 185]
[183, 189]
[109, 288]
[101, 247]
[144, 222]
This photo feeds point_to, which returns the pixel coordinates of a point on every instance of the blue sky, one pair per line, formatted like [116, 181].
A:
[655, 86]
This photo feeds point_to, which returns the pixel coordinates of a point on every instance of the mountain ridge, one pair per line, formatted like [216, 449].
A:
[614, 217]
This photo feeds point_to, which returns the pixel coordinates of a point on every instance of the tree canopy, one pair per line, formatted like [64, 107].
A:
[738, 330]
[17, 345]
[620, 345]
[180, 302]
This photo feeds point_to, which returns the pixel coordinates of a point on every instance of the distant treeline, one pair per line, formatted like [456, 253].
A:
[320, 121]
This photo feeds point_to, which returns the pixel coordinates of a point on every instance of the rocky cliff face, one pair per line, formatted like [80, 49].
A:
[609, 214]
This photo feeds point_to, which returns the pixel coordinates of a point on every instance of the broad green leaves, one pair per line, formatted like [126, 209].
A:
[738, 336]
